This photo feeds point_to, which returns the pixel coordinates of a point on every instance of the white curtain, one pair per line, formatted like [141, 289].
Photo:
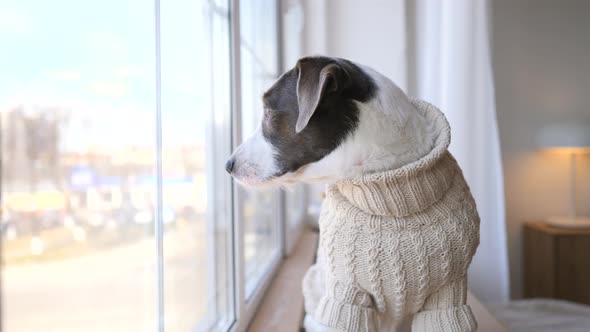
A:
[453, 71]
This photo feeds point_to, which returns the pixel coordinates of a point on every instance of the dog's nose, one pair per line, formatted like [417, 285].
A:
[229, 165]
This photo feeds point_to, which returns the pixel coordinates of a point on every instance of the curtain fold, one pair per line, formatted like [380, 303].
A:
[453, 71]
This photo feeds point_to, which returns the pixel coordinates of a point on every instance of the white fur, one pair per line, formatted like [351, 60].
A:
[254, 160]
[390, 134]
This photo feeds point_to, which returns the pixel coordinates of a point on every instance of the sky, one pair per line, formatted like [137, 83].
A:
[97, 59]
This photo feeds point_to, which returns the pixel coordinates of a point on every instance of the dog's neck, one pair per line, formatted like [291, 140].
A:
[391, 133]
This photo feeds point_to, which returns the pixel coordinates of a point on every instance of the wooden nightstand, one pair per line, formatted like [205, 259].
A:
[556, 262]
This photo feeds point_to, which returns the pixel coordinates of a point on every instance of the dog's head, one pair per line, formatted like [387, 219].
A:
[308, 114]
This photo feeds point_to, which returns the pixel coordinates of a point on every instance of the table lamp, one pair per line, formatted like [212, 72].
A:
[573, 139]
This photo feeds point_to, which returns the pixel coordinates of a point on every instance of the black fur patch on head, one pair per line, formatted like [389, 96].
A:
[335, 116]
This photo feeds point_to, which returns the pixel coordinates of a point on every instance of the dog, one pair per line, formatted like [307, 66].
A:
[330, 119]
[326, 119]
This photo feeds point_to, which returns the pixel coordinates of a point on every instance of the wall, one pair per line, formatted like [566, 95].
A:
[541, 52]
[371, 32]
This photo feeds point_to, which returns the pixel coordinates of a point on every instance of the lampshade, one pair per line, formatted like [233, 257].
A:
[567, 136]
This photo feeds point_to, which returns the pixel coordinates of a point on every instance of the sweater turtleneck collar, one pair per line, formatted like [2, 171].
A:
[413, 187]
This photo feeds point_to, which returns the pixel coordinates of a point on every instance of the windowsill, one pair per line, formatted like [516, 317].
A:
[274, 313]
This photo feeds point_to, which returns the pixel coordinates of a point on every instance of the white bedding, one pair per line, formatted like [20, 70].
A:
[543, 315]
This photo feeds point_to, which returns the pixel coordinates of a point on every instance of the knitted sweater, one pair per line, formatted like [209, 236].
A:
[396, 245]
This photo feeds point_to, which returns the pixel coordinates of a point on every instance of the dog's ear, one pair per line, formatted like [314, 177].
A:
[316, 80]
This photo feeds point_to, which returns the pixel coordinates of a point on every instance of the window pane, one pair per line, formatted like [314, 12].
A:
[295, 212]
[259, 70]
[196, 143]
[77, 110]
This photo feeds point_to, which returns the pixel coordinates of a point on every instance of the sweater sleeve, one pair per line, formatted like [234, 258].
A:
[446, 311]
[346, 308]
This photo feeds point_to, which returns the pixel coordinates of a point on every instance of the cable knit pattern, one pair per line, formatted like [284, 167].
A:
[397, 244]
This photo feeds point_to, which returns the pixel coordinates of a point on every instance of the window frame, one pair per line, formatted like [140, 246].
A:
[214, 323]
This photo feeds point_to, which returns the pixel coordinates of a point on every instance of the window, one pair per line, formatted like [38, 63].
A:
[116, 121]
[259, 66]
[295, 214]
[196, 140]
[78, 152]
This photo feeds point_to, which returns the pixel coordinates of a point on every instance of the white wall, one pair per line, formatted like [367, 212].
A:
[370, 32]
[541, 59]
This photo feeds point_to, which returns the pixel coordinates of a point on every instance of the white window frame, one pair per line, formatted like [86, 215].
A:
[213, 323]
[245, 308]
